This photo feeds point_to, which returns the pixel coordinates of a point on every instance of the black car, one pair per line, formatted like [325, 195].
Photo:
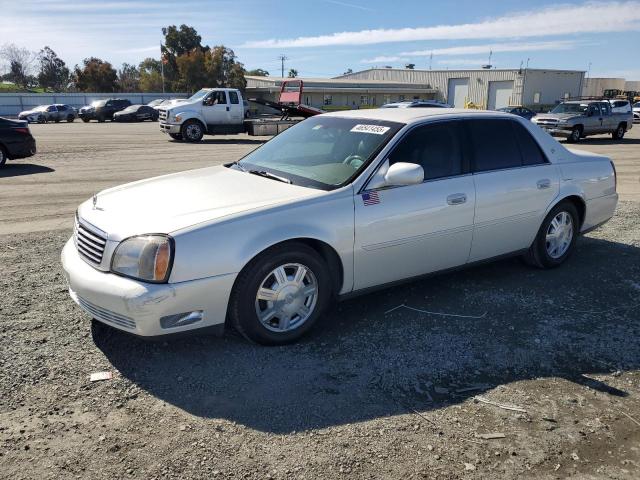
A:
[520, 111]
[16, 140]
[136, 113]
[102, 110]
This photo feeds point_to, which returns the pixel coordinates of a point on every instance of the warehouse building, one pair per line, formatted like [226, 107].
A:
[537, 89]
[339, 94]
[596, 86]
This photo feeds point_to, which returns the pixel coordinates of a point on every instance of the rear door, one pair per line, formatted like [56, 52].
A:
[236, 108]
[406, 231]
[514, 184]
[593, 122]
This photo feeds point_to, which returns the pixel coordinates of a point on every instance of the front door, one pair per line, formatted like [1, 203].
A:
[514, 183]
[406, 231]
[215, 108]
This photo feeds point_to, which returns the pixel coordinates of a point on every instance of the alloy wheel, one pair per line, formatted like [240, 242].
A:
[286, 298]
[559, 235]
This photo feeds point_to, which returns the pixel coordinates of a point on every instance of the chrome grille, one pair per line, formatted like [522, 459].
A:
[90, 242]
[547, 122]
[105, 315]
[162, 115]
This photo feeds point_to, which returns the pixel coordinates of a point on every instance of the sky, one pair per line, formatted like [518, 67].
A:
[324, 38]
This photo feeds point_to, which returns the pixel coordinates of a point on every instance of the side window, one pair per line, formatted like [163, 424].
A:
[216, 98]
[437, 148]
[233, 97]
[593, 110]
[606, 108]
[62, 108]
[52, 108]
[494, 145]
[529, 148]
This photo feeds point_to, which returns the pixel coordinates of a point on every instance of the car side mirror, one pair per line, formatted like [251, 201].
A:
[401, 173]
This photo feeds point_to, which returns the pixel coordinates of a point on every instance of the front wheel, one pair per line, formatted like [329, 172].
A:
[619, 132]
[3, 157]
[85, 120]
[70, 119]
[176, 136]
[556, 238]
[280, 295]
[574, 136]
[192, 131]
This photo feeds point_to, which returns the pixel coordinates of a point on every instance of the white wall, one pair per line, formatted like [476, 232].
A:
[551, 85]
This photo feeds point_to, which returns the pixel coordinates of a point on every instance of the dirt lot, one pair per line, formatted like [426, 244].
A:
[369, 394]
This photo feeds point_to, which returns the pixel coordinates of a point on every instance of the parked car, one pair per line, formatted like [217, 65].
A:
[16, 140]
[417, 104]
[636, 112]
[336, 205]
[102, 110]
[577, 119]
[523, 112]
[49, 113]
[156, 102]
[167, 103]
[620, 106]
[136, 113]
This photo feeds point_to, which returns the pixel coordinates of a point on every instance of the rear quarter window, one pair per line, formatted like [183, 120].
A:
[531, 152]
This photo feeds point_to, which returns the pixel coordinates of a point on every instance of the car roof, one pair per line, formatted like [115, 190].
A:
[412, 115]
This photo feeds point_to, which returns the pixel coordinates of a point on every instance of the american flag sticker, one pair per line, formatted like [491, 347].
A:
[370, 198]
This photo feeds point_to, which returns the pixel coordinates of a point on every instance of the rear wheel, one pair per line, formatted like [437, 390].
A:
[575, 134]
[556, 238]
[3, 156]
[280, 295]
[619, 132]
[192, 131]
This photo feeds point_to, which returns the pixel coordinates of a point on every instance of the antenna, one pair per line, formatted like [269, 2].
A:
[589, 70]
[282, 58]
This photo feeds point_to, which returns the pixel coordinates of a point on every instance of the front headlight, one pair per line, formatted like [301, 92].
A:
[146, 257]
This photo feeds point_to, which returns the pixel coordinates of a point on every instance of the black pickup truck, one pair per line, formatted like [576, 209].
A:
[102, 110]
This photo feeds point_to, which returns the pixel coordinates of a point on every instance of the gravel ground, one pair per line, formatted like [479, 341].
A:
[370, 394]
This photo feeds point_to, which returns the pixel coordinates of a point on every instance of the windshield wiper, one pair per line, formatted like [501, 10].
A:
[265, 174]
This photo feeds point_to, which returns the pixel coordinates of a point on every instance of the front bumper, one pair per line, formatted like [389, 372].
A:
[137, 307]
[556, 131]
[87, 115]
[170, 128]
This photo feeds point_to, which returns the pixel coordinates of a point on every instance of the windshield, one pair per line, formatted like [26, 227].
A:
[322, 152]
[199, 95]
[571, 108]
[40, 108]
[132, 108]
[636, 105]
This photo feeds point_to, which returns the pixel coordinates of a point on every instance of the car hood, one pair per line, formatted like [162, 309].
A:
[556, 116]
[30, 112]
[173, 202]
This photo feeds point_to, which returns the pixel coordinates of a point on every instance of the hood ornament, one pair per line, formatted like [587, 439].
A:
[95, 203]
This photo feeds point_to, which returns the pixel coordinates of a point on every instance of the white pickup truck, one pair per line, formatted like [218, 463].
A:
[210, 110]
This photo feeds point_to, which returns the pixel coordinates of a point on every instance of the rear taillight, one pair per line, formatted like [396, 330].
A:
[22, 130]
[615, 175]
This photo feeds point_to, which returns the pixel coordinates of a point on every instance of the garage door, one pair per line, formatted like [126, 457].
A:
[500, 94]
[458, 91]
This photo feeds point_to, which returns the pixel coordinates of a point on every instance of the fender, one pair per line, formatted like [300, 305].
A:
[191, 115]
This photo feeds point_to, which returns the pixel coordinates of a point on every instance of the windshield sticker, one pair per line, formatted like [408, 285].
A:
[375, 129]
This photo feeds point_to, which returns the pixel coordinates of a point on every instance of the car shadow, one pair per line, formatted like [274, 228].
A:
[19, 169]
[372, 358]
[603, 141]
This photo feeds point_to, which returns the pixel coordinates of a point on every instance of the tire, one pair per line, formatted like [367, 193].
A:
[42, 119]
[101, 118]
[70, 119]
[575, 135]
[619, 132]
[192, 131]
[297, 306]
[3, 157]
[543, 253]
[57, 120]
[176, 136]
[85, 120]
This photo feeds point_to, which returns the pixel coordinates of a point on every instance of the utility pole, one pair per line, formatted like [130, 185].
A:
[162, 66]
[282, 58]
[430, 60]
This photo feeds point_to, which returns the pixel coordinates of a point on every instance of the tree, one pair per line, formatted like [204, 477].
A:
[180, 41]
[224, 70]
[96, 76]
[54, 74]
[293, 73]
[20, 62]
[129, 78]
[410, 66]
[192, 71]
[258, 72]
[349, 71]
[150, 75]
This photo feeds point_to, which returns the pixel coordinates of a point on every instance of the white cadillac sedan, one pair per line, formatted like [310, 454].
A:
[339, 204]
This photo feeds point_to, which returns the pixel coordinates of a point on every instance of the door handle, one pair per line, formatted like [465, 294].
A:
[227, 109]
[544, 183]
[456, 199]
